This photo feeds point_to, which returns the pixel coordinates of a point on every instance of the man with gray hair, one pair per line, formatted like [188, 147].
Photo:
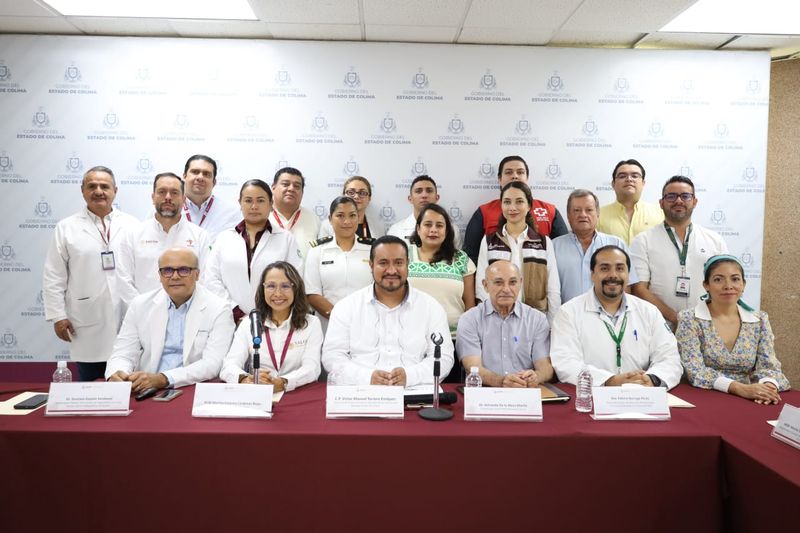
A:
[79, 281]
[574, 249]
[508, 340]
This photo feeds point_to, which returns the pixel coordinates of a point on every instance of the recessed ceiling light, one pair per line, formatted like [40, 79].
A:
[739, 17]
[169, 9]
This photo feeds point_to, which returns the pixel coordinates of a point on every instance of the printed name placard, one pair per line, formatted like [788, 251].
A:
[373, 401]
[232, 400]
[788, 427]
[89, 398]
[630, 403]
[497, 403]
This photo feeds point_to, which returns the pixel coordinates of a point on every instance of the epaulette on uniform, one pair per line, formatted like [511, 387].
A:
[366, 240]
[321, 240]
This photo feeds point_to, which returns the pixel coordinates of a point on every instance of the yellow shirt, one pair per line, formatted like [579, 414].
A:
[614, 220]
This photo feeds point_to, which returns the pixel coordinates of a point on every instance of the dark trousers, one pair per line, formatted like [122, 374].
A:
[91, 371]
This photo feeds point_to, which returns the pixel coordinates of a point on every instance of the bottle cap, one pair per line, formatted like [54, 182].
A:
[62, 364]
[474, 369]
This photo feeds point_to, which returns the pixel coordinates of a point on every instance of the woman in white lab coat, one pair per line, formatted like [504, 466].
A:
[240, 254]
[292, 338]
[339, 265]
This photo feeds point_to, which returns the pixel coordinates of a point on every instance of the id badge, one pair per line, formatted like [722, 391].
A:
[108, 260]
[682, 286]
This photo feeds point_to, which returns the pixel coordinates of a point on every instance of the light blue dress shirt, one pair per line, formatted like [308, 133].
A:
[573, 263]
[172, 355]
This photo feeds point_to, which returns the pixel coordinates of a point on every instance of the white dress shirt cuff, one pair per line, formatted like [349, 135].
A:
[722, 384]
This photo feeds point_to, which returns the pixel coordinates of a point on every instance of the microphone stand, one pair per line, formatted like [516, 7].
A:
[436, 413]
[256, 358]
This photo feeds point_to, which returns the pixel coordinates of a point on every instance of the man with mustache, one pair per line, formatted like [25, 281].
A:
[288, 186]
[381, 334]
[669, 258]
[142, 246]
[621, 338]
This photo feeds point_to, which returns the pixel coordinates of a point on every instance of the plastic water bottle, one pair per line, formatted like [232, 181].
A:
[62, 373]
[474, 378]
[583, 391]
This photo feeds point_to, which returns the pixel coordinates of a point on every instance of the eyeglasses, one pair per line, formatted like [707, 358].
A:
[673, 196]
[352, 193]
[623, 176]
[167, 272]
[283, 287]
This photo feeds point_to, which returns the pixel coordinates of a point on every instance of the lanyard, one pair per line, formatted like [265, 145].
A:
[681, 252]
[616, 338]
[205, 213]
[294, 220]
[106, 238]
[283, 353]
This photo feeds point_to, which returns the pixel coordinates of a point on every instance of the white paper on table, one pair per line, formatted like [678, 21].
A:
[630, 403]
[232, 400]
[89, 398]
[422, 388]
[772, 423]
[7, 407]
[364, 401]
[674, 401]
[787, 429]
[507, 404]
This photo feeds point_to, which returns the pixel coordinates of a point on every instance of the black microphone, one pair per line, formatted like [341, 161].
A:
[256, 330]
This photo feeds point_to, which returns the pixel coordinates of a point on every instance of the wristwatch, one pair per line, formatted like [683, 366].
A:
[655, 379]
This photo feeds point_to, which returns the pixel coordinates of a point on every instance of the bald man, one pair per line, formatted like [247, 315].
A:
[506, 339]
[173, 336]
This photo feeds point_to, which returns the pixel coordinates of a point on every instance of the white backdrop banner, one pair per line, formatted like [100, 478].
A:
[385, 111]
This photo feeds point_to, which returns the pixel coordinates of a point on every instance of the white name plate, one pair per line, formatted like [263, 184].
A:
[232, 400]
[497, 403]
[89, 398]
[360, 401]
[630, 403]
[788, 427]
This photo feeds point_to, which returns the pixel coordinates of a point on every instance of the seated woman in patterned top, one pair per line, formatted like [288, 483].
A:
[436, 267]
[724, 343]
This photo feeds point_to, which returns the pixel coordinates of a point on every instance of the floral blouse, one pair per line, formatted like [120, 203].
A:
[708, 362]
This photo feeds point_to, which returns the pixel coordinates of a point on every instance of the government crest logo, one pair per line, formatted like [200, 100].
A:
[486, 170]
[721, 130]
[352, 79]
[553, 171]
[456, 125]
[72, 74]
[281, 163]
[420, 80]
[718, 217]
[320, 211]
[5, 73]
[388, 124]
[320, 123]
[523, 126]
[74, 164]
[656, 129]
[350, 167]
[40, 119]
[6, 165]
[555, 83]
[387, 213]
[42, 208]
[419, 168]
[753, 87]
[143, 74]
[7, 252]
[687, 86]
[686, 170]
[488, 81]
[455, 213]
[282, 78]
[251, 122]
[39, 298]
[144, 165]
[749, 174]
[181, 121]
[8, 340]
[111, 120]
[621, 85]
[746, 258]
[590, 128]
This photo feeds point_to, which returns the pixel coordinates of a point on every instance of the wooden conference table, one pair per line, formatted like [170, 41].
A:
[712, 468]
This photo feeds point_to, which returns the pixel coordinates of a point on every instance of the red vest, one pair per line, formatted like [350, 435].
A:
[542, 212]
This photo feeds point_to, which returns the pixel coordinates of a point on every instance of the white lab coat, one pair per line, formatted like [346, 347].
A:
[207, 336]
[75, 286]
[578, 336]
[226, 268]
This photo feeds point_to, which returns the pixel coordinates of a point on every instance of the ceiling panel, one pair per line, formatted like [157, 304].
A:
[625, 15]
[410, 34]
[37, 25]
[220, 28]
[323, 32]
[504, 36]
[415, 12]
[24, 8]
[605, 39]
[704, 41]
[533, 14]
[307, 11]
[764, 42]
[123, 26]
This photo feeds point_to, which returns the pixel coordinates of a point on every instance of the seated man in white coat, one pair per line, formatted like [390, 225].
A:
[381, 334]
[621, 338]
[174, 336]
